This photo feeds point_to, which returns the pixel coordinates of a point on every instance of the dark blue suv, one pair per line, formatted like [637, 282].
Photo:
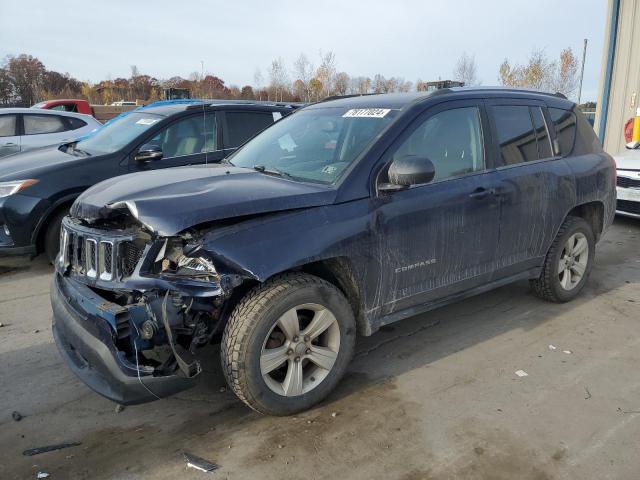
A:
[341, 218]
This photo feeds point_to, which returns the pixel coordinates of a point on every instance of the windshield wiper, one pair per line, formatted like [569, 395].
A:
[82, 152]
[271, 171]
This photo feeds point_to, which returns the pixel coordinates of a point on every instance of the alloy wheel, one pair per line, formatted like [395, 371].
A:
[300, 350]
[573, 261]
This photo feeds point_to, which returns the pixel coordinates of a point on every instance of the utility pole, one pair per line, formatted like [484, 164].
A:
[584, 56]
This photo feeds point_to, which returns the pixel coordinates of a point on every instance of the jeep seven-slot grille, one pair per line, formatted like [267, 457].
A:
[98, 256]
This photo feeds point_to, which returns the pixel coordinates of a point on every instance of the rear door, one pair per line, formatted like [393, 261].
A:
[242, 125]
[189, 140]
[533, 184]
[9, 134]
[439, 238]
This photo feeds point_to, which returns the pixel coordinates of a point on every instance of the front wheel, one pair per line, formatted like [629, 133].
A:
[568, 262]
[52, 236]
[288, 343]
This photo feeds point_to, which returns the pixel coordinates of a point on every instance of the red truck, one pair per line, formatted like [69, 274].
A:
[78, 106]
[102, 113]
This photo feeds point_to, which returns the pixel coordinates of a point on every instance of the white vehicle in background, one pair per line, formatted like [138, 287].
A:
[628, 183]
[24, 129]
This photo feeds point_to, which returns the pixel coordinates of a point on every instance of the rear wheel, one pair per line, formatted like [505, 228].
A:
[288, 343]
[52, 235]
[568, 262]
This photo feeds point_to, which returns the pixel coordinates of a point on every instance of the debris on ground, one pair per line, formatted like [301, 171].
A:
[222, 389]
[568, 352]
[49, 448]
[42, 475]
[119, 408]
[36, 331]
[552, 347]
[588, 393]
[1, 324]
[334, 414]
[521, 373]
[17, 416]
[199, 463]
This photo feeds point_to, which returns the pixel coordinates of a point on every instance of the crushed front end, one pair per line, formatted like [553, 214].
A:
[130, 309]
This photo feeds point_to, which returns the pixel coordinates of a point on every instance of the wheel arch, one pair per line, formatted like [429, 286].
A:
[41, 229]
[336, 270]
[593, 214]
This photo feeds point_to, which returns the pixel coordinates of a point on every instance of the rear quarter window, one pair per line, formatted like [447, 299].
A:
[564, 122]
[76, 123]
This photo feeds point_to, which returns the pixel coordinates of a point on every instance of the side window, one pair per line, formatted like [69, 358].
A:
[75, 123]
[542, 135]
[188, 136]
[564, 122]
[516, 134]
[40, 124]
[241, 126]
[451, 139]
[7, 125]
[65, 107]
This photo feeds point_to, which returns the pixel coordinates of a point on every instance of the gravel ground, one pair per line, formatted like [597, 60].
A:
[433, 397]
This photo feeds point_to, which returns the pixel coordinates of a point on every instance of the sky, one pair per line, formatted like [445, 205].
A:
[95, 40]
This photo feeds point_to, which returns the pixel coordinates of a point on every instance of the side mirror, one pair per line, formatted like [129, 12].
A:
[410, 170]
[148, 152]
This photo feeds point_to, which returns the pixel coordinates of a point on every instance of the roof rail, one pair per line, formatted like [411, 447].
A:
[337, 97]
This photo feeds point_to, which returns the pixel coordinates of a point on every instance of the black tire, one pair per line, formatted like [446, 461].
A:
[548, 286]
[52, 235]
[250, 325]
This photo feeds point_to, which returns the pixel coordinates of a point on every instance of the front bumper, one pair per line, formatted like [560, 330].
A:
[628, 203]
[84, 335]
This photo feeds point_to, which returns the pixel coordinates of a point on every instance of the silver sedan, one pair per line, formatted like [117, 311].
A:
[23, 129]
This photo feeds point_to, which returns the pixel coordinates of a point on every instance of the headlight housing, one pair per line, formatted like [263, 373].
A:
[14, 186]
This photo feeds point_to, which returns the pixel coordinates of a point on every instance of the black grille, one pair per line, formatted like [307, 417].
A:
[625, 182]
[123, 328]
[629, 207]
[99, 255]
[108, 252]
[129, 255]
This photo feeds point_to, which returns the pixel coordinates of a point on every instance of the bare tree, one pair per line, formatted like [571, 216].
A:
[540, 73]
[279, 80]
[258, 80]
[566, 81]
[359, 85]
[466, 70]
[303, 70]
[326, 72]
[342, 83]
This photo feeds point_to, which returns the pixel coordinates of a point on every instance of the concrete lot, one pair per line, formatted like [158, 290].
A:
[432, 397]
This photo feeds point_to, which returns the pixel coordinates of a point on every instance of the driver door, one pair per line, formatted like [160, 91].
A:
[189, 140]
[440, 238]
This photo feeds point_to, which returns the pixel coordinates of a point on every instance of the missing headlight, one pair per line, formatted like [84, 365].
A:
[171, 260]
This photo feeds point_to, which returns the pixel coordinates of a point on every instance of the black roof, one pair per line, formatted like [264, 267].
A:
[173, 108]
[402, 100]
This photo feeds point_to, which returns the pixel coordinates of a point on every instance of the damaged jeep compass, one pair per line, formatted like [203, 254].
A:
[345, 216]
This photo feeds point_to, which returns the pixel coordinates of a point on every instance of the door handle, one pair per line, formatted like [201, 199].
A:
[10, 144]
[480, 193]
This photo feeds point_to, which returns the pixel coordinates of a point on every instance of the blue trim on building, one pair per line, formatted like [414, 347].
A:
[613, 38]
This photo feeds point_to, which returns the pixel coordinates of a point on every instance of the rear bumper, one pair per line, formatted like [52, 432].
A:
[85, 340]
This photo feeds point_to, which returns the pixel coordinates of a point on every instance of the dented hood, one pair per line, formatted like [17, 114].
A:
[170, 200]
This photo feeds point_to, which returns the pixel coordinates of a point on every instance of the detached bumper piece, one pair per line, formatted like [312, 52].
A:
[83, 329]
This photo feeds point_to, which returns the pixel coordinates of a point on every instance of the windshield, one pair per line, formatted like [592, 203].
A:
[315, 145]
[117, 134]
